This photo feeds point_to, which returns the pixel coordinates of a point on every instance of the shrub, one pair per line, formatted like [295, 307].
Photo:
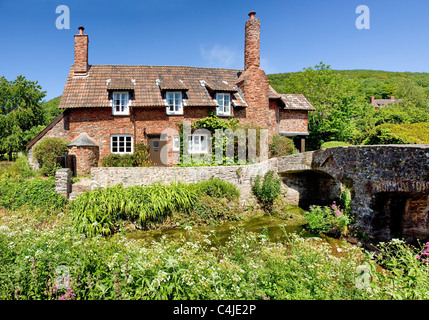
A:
[118, 160]
[36, 193]
[281, 146]
[19, 168]
[331, 144]
[217, 188]
[46, 152]
[140, 158]
[267, 190]
[329, 220]
[100, 211]
[404, 133]
[213, 210]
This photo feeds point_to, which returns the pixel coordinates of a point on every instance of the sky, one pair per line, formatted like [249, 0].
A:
[295, 34]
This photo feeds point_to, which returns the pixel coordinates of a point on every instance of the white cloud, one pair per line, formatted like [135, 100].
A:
[220, 56]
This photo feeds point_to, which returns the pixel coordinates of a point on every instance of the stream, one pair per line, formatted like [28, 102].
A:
[273, 225]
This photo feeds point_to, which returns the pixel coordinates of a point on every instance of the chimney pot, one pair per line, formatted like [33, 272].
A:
[252, 14]
[81, 30]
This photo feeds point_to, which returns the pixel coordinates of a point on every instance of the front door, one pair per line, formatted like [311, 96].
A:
[155, 146]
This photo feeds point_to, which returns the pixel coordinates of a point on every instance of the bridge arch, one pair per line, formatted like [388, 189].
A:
[389, 186]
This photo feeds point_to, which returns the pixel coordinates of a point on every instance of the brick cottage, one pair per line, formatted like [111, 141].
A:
[110, 108]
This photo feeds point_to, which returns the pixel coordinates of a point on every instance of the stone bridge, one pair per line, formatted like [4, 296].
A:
[389, 186]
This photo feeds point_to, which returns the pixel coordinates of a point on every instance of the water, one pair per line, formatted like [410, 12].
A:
[271, 223]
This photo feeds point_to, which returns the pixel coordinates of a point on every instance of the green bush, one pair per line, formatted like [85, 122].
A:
[328, 220]
[404, 133]
[140, 158]
[118, 160]
[36, 193]
[281, 146]
[217, 188]
[331, 144]
[267, 190]
[46, 151]
[19, 168]
[213, 210]
[100, 211]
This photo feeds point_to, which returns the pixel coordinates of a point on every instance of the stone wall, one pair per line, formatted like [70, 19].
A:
[241, 176]
[389, 185]
[63, 182]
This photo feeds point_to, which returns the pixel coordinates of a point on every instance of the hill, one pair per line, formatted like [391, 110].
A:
[50, 109]
[380, 84]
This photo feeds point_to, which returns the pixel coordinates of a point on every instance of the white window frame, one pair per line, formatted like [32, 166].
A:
[223, 109]
[118, 138]
[125, 107]
[177, 107]
[194, 147]
[176, 143]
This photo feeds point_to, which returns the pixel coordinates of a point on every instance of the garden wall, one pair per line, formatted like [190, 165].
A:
[240, 175]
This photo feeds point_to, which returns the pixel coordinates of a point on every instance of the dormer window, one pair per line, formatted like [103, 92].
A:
[223, 104]
[174, 102]
[120, 103]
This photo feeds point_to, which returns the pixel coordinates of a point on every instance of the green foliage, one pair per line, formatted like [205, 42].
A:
[99, 212]
[140, 158]
[248, 266]
[217, 188]
[415, 133]
[46, 151]
[21, 168]
[331, 144]
[408, 277]
[341, 110]
[50, 109]
[328, 220]
[118, 160]
[281, 146]
[342, 101]
[36, 193]
[213, 210]
[20, 110]
[267, 190]
[213, 123]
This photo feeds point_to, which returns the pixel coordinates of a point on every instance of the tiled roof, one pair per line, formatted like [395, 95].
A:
[383, 102]
[296, 102]
[147, 82]
[82, 141]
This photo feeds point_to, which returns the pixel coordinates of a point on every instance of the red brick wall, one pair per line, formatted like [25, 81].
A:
[80, 53]
[293, 120]
[86, 158]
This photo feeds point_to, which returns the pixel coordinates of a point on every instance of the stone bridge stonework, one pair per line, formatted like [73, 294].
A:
[389, 185]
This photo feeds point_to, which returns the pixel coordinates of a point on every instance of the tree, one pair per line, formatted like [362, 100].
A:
[340, 104]
[20, 111]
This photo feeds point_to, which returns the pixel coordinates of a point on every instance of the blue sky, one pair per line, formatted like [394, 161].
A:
[294, 34]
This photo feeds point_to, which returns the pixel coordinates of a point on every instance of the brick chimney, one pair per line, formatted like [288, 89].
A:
[253, 82]
[252, 40]
[81, 41]
[392, 98]
[372, 99]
